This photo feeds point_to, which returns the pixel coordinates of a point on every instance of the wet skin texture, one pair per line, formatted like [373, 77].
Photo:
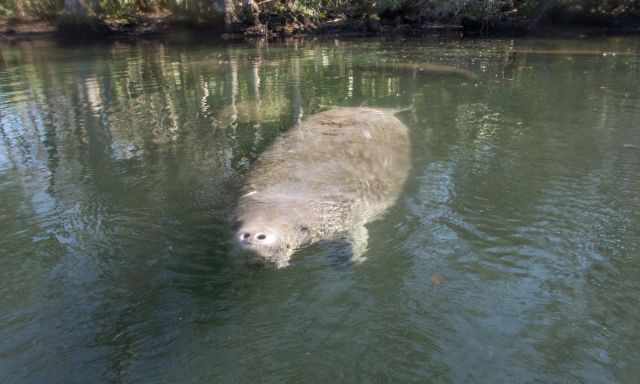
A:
[323, 180]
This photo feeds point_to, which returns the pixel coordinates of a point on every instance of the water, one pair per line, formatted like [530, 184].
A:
[511, 256]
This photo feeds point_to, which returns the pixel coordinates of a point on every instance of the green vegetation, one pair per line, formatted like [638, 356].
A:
[298, 15]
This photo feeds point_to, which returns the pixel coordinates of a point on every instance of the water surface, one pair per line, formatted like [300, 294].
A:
[511, 256]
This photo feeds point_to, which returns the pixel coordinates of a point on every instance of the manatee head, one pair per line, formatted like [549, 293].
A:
[270, 233]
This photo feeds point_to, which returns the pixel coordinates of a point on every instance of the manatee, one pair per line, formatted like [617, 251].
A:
[417, 69]
[571, 52]
[324, 179]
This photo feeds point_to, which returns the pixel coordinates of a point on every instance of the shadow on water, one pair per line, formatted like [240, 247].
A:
[119, 166]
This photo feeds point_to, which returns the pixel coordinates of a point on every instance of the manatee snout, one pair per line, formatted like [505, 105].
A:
[269, 237]
[262, 242]
[257, 238]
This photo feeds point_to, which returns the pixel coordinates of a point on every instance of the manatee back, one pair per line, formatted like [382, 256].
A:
[343, 157]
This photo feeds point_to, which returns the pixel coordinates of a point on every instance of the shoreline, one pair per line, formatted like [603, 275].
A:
[155, 26]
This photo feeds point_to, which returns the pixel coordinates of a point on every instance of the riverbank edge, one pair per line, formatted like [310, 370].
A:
[157, 26]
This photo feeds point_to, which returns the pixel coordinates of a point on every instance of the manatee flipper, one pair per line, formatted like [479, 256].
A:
[359, 238]
[281, 263]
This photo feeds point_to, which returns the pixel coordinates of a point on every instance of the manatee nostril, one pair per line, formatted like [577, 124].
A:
[261, 236]
[246, 235]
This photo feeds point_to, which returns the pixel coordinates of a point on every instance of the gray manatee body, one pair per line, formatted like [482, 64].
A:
[324, 179]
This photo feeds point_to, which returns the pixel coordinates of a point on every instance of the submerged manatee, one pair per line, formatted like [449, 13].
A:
[417, 69]
[323, 180]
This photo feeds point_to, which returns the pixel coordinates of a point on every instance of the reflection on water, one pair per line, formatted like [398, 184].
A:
[119, 164]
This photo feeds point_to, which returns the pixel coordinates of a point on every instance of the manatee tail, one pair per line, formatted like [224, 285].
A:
[393, 111]
[410, 108]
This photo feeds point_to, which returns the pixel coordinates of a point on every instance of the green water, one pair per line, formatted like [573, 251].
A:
[512, 255]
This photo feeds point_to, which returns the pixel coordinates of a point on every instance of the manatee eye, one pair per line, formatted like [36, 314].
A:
[303, 228]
